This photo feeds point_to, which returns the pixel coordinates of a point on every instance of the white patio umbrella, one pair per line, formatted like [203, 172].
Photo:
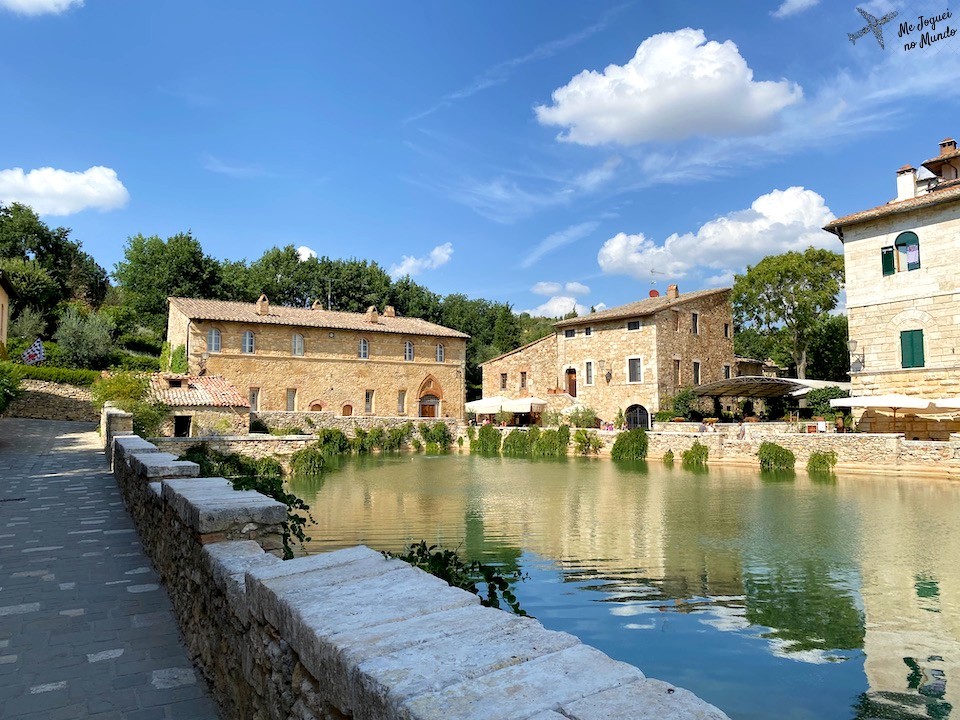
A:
[889, 402]
[525, 405]
[486, 406]
[948, 403]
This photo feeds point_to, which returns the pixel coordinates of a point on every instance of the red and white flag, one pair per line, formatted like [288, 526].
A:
[34, 354]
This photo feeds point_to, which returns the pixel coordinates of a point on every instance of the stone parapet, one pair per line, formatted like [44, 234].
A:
[310, 422]
[354, 634]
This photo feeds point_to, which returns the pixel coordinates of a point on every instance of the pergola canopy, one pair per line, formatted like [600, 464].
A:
[751, 386]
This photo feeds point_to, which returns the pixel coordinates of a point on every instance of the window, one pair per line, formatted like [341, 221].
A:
[291, 399]
[402, 402]
[297, 345]
[588, 331]
[695, 323]
[368, 401]
[588, 372]
[254, 397]
[249, 343]
[572, 332]
[696, 372]
[523, 380]
[888, 260]
[634, 370]
[908, 251]
[676, 372]
[726, 330]
[503, 381]
[441, 353]
[633, 325]
[363, 352]
[408, 351]
[213, 340]
[726, 372]
[911, 348]
[676, 321]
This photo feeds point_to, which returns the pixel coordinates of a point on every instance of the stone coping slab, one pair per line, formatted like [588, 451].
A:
[150, 465]
[210, 505]
[133, 444]
[646, 700]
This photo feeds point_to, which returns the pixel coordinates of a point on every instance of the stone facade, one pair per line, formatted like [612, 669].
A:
[672, 339]
[44, 400]
[330, 374]
[352, 634]
[890, 293]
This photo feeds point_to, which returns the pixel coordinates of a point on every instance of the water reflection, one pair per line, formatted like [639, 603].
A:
[749, 590]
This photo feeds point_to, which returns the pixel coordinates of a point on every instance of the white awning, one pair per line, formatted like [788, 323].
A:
[525, 405]
[892, 402]
[947, 404]
[486, 406]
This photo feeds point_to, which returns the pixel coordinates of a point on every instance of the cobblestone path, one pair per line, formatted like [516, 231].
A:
[86, 630]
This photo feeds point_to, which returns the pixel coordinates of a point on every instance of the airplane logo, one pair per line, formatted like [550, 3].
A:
[873, 25]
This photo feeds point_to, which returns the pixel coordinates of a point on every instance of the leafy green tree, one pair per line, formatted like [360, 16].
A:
[153, 269]
[284, 278]
[85, 342]
[793, 291]
[506, 330]
[32, 286]
[829, 358]
[414, 300]
[29, 324]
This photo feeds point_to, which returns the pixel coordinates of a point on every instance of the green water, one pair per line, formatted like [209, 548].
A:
[784, 597]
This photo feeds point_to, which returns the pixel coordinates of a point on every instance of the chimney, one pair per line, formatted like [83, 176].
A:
[947, 146]
[263, 305]
[388, 311]
[672, 292]
[317, 305]
[372, 314]
[906, 182]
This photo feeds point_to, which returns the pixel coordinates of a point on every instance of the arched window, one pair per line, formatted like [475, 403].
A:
[363, 352]
[441, 352]
[908, 251]
[213, 340]
[297, 345]
[249, 343]
[408, 350]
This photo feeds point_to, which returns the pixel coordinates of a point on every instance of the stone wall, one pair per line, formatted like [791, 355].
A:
[310, 422]
[206, 421]
[351, 634]
[44, 400]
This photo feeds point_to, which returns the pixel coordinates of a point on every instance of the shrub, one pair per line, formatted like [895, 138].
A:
[663, 416]
[437, 433]
[131, 393]
[447, 565]
[503, 417]
[775, 457]
[586, 443]
[85, 341]
[9, 384]
[359, 442]
[65, 376]
[417, 445]
[696, 456]
[136, 363]
[178, 360]
[517, 444]
[549, 443]
[376, 438]
[397, 436]
[433, 448]
[332, 441]
[287, 430]
[818, 401]
[460, 441]
[686, 403]
[668, 457]
[620, 421]
[146, 344]
[471, 433]
[583, 417]
[532, 434]
[563, 434]
[630, 445]
[29, 324]
[487, 442]
[307, 461]
[822, 462]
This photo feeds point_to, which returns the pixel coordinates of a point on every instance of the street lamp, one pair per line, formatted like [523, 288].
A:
[856, 359]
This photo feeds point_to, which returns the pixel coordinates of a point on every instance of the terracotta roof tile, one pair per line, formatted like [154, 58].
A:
[307, 317]
[649, 306]
[945, 192]
[196, 391]
[940, 159]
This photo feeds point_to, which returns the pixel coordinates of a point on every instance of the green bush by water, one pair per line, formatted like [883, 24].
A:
[517, 444]
[775, 457]
[668, 458]
[437, 433]
[550, 443]
[587, 443]
[487, 442]
[696, 456]
[822, 462]
[307, 461]
[630, 445]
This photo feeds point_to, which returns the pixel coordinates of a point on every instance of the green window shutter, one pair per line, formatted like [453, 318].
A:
[911, 348]
[888, 261]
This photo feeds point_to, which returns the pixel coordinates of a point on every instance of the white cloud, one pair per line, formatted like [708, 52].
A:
[305, 253]
[39, 7]
[676, 85]
[235, 170]
[555, 288]
[597, 307]
[411, 266]
[594, 178]
[558, 306]
[558, 240]
[59, 192]
[777, 222]
[793, 7]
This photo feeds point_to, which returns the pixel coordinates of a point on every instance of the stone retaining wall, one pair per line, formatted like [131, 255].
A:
[313, 421]
[351, 634]
[44, 400]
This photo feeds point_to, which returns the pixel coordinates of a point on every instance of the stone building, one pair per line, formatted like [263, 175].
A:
[903, 292]
[200, 405]
[634, 357]
[6, 291]
[296, 359]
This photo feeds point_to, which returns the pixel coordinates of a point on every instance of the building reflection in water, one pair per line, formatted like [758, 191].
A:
[820, 572]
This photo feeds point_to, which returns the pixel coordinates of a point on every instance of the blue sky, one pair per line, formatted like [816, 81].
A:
[541, 153]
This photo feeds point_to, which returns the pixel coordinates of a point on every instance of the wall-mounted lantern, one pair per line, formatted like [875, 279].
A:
[856, 359]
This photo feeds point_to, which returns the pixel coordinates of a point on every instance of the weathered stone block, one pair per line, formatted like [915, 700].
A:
[210, 505]
[161, 465]
[643, 700]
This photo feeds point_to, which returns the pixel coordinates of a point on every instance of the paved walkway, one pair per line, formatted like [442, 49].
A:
[86, 631]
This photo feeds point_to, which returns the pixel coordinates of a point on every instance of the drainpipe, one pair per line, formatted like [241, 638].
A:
[187, 345]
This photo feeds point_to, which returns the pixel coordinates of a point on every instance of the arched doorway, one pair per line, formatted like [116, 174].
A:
[637, 417]
[347, 410]
[571, 376]
[429, 406]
